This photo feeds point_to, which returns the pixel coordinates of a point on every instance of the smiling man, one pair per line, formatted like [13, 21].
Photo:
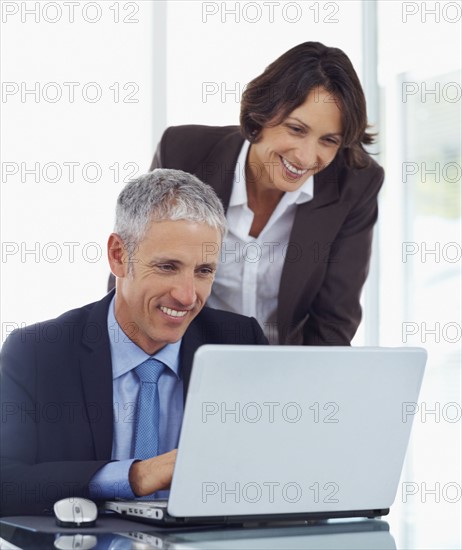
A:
[73, 409]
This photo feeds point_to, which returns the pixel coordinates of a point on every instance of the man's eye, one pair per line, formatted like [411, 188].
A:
[206, 271]
[166, 267]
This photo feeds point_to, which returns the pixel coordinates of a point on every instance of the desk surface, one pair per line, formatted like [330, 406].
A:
[30, 532]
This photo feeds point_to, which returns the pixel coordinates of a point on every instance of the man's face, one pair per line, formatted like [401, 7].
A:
[169, 283]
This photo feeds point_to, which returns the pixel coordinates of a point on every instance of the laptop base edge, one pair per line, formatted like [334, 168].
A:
[168, 520]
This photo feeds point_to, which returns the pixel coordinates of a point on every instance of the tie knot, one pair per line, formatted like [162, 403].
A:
[150, 370]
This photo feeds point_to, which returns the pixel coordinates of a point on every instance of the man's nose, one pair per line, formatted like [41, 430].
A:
[184, 291]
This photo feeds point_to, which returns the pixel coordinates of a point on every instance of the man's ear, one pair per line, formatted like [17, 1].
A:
[117, 255]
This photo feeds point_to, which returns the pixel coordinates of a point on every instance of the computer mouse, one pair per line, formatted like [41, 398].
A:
[75, 512]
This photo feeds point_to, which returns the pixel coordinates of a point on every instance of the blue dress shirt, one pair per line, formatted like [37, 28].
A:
[111, 481]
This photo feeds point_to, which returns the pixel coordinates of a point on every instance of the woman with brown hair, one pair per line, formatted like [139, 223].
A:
[300, 195]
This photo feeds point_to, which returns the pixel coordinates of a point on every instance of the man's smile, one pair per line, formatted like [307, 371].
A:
[173, 312]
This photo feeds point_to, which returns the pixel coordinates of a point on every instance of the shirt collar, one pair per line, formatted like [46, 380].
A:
[239, 192]
[303, 194]
[126, 355]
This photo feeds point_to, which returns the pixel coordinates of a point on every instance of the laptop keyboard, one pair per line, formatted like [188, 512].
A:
[161, 503]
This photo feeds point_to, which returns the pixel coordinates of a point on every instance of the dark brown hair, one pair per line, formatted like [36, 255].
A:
[284, 85]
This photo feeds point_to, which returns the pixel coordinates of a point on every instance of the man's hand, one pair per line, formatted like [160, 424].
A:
[153, 474]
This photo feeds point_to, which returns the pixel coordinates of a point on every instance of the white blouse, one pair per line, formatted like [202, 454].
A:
[249, 272]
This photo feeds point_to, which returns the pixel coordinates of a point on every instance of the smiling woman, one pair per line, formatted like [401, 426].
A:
[286, 155]
[300, 194]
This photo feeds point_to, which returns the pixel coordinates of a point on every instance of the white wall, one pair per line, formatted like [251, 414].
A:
[36, 128]
[215, 48]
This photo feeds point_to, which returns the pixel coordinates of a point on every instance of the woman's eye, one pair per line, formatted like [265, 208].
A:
[295, 129]
[332, 141]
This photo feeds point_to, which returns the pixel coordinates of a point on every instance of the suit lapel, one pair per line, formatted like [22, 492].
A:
[191, 341]
[96, 371]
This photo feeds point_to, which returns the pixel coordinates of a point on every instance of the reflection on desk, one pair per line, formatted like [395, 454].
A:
[119, 534]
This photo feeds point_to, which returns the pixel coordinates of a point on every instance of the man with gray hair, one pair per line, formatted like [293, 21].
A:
[95, 411]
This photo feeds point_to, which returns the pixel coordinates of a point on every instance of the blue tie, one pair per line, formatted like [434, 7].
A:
[148, 410]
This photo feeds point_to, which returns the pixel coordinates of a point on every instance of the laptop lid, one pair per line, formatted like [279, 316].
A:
[294, 430]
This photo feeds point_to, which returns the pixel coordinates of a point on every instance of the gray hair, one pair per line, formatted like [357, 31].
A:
[165, 194]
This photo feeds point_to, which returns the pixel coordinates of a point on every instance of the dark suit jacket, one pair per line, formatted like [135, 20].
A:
[56, 395]
[319, 292]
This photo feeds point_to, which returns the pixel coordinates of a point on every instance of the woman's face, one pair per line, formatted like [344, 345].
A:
[304, 143]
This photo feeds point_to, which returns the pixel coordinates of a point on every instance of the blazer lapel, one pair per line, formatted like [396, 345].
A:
[219, 174]
[96, 371]
[314, 224]
[326, 184]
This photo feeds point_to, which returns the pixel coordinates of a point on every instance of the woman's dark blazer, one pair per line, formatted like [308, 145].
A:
[321, 282]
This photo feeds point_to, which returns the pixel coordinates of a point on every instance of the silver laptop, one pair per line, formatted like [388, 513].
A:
[282, 433]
